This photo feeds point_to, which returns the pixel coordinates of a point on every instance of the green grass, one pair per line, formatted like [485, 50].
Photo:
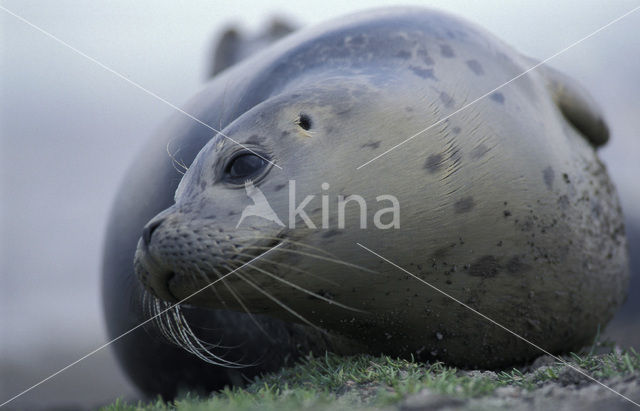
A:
[336, 383]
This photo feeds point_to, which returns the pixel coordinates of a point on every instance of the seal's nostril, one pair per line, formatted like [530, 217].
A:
[148, 230]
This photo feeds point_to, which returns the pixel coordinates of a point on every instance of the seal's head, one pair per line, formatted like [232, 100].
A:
[233, 202]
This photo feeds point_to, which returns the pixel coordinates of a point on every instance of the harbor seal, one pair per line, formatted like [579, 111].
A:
[503, 205]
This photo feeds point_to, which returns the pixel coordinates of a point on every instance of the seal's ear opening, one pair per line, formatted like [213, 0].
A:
[577, 106]
[304, 121]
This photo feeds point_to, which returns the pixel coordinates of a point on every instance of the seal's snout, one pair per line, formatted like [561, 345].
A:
[148, 230]
[152, 274]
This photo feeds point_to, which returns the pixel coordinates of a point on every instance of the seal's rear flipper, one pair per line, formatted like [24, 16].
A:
[577, 106]
[232, 46]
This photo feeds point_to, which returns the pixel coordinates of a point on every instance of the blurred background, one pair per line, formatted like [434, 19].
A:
[69, 129]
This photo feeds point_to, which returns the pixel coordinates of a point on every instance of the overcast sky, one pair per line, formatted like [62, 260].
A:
[70, 128]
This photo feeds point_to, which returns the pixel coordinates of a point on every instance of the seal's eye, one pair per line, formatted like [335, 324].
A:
[245, 166]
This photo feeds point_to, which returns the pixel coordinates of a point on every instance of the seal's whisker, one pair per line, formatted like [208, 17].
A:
[196, 286]
[197, 348]
[292, 268]
[239, 300]
[183, 320]
[175, 161]
[290, 241]
[304, 290]
[224, 108]
[177, 329]
[174, 326]
[319, 257]
[148, 304]
[207, 280]
[280, 303]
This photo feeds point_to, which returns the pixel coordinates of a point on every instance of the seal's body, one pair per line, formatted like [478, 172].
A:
[503, 205]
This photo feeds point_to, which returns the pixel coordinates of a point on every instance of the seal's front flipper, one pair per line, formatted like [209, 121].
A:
[577, 106]
[232, 46]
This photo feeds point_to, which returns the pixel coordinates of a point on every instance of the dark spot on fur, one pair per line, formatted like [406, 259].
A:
[442, 252]
[285, 133]
[548, 175]
[506, 213]
[497, 97]
[433, 163]
[279, 187]
[424, 56]
[423, 72]
[464, 205]
[479, 151]
[447, 100]
[475, 67]
[403, 54]
[373, 144]
[331, 233]
[456, 130]
[565, 177]
[446, 51]
[231, 213]
[515, 265]
[486, 267]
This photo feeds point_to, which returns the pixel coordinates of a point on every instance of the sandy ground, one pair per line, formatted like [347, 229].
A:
[585, 397]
